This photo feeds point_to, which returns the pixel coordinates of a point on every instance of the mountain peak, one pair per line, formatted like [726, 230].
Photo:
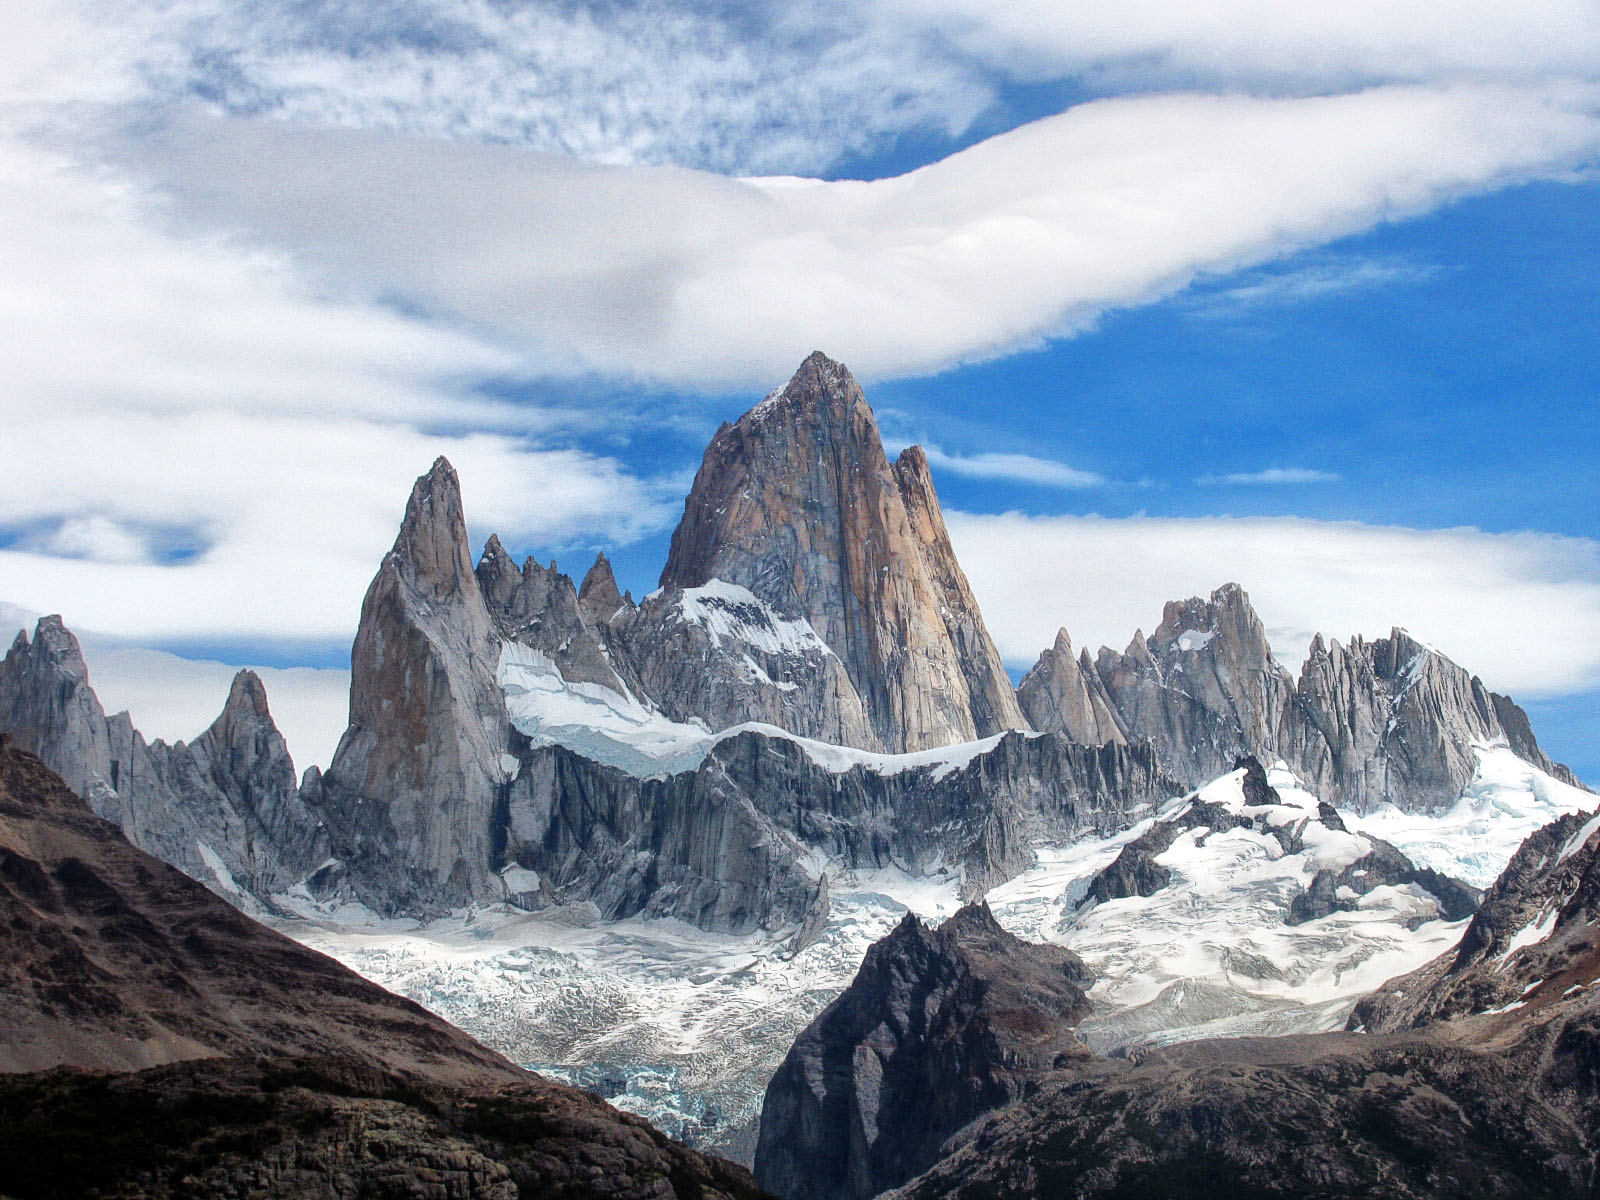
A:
[797, 503]
[820, 389]
[598, 595]
[432, 544]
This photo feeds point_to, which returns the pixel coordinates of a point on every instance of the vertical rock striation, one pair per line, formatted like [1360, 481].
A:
[1368, 723]
[797, 503]
[412, 794]
[223, 808]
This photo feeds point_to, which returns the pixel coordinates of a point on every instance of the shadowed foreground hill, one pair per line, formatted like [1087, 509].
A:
[268, 1069]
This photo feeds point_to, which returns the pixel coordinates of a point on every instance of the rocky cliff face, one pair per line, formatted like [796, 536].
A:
[1531, 945]
[225, 808]
[1476, 1076]
[412, 794]
[1386, 721]
[939, 1027]
[797, 503]
[726, 845]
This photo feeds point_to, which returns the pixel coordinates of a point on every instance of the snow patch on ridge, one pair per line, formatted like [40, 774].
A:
[728, 611]
[615, 729]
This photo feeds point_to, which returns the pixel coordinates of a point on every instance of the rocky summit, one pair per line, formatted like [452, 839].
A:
[1390, 721]
[650, 840]
[797, 502]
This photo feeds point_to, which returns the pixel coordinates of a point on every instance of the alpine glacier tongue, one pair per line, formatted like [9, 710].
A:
[798, 503]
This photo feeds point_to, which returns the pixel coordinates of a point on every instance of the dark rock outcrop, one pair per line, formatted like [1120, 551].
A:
[722, 846]
[1531, 944]
[939, 1027]
[1478, 1077]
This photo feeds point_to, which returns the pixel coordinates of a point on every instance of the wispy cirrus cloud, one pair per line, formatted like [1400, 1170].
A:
[1005, 467]
[1270, 477]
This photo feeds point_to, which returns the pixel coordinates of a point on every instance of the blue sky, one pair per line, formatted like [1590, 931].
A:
[1172, 297]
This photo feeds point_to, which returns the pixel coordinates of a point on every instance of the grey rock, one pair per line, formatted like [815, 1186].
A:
[722, 846]
[1368, 723]
[939, 1027]
[224, 808]
[1064, 693]
[412, 794]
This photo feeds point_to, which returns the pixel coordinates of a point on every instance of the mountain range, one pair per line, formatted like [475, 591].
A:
[809, 719]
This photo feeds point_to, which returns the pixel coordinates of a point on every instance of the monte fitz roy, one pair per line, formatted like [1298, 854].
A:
[1110, 919]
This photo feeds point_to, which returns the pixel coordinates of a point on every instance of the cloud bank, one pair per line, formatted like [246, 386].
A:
[696, 280]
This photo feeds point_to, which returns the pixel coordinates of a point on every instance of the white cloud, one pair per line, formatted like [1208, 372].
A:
[1011, 468]
[695, 279]
[1314, 281]
[1522, 610]
[1270, 477]
[1278, 43]
[167, 392]
[798, 86]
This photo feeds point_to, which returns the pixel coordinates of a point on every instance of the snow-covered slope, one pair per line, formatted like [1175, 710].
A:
[1211, 953]
[685, 1026]
[1474, 839]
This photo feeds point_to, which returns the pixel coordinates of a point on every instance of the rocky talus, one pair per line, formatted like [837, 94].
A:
[797, 503]
[939, 1027]
[1368, 723]
[156, 1042]
[225, 808]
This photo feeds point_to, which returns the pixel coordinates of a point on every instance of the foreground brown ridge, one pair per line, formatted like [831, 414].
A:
[284, 1073]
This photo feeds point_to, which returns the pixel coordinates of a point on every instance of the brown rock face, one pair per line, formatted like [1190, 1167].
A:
[212, 1056]
[798, 503]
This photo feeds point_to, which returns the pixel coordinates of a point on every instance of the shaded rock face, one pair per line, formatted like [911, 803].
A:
[1394, 720]
[225, 808]
[939, 1027]
[412, 793]
[1326, 1115]
[1387, 721]
[268, 1068]
[797, 503]
[723, 846]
